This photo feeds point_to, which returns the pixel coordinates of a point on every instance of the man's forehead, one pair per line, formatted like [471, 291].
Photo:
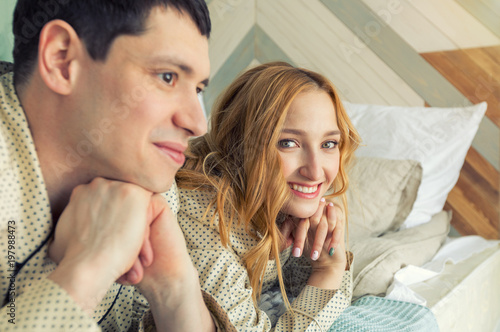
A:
[171, 38]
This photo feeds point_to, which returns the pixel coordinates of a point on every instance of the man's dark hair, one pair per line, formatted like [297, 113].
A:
[97, 23]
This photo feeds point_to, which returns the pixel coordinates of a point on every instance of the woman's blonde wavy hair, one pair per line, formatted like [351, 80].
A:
[238, 158]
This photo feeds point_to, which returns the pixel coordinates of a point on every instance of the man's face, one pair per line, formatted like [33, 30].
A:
[139, 107]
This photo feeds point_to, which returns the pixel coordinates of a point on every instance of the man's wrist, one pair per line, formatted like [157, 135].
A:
[83, 282]
[170, 289]
[175, 300]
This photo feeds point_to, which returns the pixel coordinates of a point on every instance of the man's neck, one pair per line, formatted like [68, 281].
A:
[60, 174]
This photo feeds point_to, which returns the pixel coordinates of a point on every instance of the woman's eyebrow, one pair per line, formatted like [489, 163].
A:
[300, 132]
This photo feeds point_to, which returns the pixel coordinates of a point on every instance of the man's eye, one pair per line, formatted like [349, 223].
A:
[168, 78]
[287, 143]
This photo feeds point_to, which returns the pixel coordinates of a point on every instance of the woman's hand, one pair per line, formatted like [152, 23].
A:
[320, 236]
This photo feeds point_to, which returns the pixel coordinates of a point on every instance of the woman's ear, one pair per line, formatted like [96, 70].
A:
[60, 56]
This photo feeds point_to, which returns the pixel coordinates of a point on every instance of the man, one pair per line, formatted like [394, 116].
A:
[95, 118]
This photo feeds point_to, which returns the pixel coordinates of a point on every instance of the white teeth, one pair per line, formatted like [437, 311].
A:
[304, 189]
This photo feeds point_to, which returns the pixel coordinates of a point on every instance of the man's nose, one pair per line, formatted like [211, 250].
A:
[191, 116]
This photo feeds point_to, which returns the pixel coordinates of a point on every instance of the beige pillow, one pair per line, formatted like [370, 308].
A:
[381, 194]
[378, 259]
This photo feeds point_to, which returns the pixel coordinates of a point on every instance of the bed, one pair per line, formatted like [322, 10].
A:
[409, 274]
[409, 161]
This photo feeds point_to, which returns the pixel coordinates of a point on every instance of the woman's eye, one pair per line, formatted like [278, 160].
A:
[330, 145]
[287, 143]
[168, 78]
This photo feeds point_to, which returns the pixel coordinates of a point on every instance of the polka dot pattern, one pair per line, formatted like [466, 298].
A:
[40, 304]
[224, 276]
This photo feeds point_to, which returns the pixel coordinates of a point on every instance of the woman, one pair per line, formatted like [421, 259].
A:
[255, 184]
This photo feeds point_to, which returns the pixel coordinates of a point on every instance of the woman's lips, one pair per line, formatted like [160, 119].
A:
[304, 191]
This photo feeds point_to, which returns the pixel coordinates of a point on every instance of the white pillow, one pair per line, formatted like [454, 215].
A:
[438, 138]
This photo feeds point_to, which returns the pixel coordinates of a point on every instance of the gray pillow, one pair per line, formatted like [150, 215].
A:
[377, 259]
[381, 194]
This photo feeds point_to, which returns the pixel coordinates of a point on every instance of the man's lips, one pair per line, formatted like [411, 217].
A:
[174, 150]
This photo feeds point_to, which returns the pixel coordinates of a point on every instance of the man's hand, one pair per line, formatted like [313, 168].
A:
[99, 237]
[112, 230]
[171, 282]
[171, 258]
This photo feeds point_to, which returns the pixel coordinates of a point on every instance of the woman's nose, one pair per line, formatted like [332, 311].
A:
[311, 168]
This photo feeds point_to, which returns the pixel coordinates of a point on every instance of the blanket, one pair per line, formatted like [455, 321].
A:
[367, 314]
[373, 314]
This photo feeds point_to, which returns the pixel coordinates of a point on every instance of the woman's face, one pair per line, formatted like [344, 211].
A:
[308, 147]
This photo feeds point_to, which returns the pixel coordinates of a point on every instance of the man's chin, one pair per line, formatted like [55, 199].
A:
[157, 185]
[160, 186]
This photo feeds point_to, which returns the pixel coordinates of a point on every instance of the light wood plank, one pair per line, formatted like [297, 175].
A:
[414, 70]
[231, 21]
[411, 25]
[266, 49]
[493, 5]
[398, 54]
[485, 12]
[254, 63]
[238, 61]
[308, 46]
[322, 43]
[456, 23]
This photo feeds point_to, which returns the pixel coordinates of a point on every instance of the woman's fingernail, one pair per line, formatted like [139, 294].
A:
[296, 252]
[322, 199]
[330, 204]
[332, 251]
[315, 255]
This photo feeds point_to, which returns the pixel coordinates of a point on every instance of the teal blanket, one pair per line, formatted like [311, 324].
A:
[373, 314]
[367, 314]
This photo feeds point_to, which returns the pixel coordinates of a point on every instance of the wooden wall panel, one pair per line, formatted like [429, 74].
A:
[475, 200]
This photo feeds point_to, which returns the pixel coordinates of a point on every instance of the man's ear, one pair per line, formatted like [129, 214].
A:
[60, 56]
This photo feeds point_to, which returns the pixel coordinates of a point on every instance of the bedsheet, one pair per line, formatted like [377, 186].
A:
[466, 295]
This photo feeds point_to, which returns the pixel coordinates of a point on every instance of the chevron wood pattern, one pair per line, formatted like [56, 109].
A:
[372, 50]
[390, 52]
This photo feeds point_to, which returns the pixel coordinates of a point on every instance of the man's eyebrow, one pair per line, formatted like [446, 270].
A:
[176, 63]
[300, 132]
